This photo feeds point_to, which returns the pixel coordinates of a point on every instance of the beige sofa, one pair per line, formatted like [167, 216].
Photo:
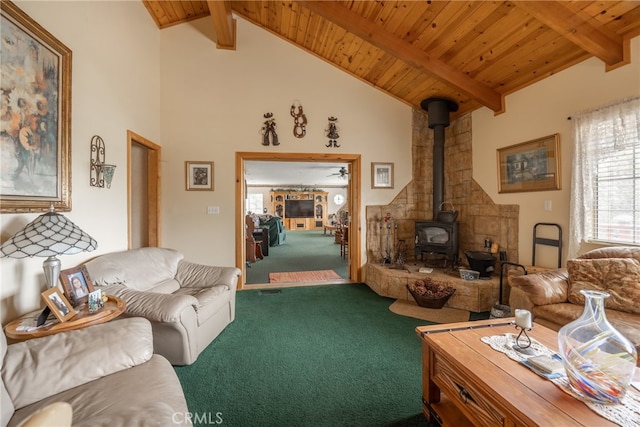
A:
[188, 304]
[107, 373]
[554, 298]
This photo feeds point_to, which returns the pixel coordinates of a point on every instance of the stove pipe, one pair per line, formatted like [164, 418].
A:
[438, 111]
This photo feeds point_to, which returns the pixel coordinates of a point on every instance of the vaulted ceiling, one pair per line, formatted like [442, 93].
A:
[473, 52]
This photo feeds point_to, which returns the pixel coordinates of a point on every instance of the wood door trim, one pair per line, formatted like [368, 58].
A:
[353, 202]
[153, 189]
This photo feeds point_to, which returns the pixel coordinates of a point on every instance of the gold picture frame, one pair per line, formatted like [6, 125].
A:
[39, 131]
[381, 175]
[199, 176]
[77, 284]
[530, 166]
[58, 304]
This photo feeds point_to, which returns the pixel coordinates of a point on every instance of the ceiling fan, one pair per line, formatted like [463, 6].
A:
[342, 173]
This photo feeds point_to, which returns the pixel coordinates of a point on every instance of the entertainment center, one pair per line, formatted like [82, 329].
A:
[300, 210]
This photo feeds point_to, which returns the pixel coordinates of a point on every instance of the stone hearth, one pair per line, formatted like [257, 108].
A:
[477, 295]
[478, 216]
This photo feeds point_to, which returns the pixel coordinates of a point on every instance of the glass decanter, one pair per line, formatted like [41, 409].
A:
[599, 360]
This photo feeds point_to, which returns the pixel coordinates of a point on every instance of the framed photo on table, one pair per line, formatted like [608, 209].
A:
[58, 304]
[530, 166]
[199, 176]
[36, 80]
[381, 175]
[77, 284]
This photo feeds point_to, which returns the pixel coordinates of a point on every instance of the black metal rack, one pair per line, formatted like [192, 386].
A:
[546, 241]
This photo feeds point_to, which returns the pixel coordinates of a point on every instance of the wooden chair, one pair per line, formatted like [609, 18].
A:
[254, 247]
[344, 242]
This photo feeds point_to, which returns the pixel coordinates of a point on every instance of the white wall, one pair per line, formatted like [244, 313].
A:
[213, 103]
[537, 111]
[115, 87]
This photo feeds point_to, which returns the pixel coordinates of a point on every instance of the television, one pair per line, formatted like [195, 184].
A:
[299, 209]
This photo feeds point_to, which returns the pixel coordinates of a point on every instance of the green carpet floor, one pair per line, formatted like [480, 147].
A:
[301, 251]
[331, 355]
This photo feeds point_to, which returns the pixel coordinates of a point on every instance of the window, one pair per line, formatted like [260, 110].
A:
[616, 192]
[254, 203]
[606, 176]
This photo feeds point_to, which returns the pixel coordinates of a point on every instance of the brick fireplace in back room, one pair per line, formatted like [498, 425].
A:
[479, 217]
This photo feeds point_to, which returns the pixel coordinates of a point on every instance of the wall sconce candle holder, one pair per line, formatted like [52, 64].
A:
[100, 173]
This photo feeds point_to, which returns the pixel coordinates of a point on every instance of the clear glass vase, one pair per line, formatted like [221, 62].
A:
[599, 360]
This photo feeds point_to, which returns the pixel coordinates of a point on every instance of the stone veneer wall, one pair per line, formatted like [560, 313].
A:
[478, 216]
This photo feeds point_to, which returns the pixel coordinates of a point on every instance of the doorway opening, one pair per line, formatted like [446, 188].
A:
[352, 190]
[143, 192]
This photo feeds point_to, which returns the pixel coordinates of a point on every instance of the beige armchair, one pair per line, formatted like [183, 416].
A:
[107, 374]
[188, 304]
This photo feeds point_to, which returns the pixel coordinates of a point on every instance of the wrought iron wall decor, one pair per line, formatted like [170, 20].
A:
[268, 131]
[332, 133]
[100, 173]
[299, 120]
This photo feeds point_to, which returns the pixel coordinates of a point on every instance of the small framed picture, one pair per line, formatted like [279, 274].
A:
[199, 176]
[381, 175]
[58, 304]
[77, 284]
[95, 301]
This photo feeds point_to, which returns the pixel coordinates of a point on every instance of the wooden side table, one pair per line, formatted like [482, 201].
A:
[20, 330]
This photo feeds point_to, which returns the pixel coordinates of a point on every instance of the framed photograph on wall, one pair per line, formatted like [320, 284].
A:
[381, 175]
[36, 82]
[77, 284]
[530, 166]
[199, 176]
[58, 304]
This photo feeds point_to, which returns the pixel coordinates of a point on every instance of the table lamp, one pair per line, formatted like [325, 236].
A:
[48, 235]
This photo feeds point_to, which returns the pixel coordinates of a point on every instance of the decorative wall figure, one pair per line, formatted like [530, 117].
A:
[299, 120]
[332, 132]
[268, 131]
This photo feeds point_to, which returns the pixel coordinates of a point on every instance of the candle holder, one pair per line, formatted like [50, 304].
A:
[523, 343]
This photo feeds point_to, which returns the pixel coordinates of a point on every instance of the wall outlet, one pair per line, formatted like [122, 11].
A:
[213, 210]
[547, 205]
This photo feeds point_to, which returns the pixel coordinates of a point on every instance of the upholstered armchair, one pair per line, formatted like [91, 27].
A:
[187, 304]
[102, 375]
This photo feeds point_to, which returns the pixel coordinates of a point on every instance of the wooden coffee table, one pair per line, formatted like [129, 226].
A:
[113, 308]
[466, 382]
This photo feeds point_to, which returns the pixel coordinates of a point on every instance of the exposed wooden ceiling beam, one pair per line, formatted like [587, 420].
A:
[223, 23]
[599, 42]
[404, 51]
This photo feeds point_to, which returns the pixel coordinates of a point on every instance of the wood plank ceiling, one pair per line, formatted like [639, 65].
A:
[473, 52]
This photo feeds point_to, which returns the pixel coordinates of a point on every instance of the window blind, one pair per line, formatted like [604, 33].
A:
[615, 146]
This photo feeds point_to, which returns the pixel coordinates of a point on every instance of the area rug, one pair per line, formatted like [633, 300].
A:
[303, 276]
[437, 315]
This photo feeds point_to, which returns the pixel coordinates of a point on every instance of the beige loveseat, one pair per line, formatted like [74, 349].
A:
[554, 298]
[107, 373]
[188, 304]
